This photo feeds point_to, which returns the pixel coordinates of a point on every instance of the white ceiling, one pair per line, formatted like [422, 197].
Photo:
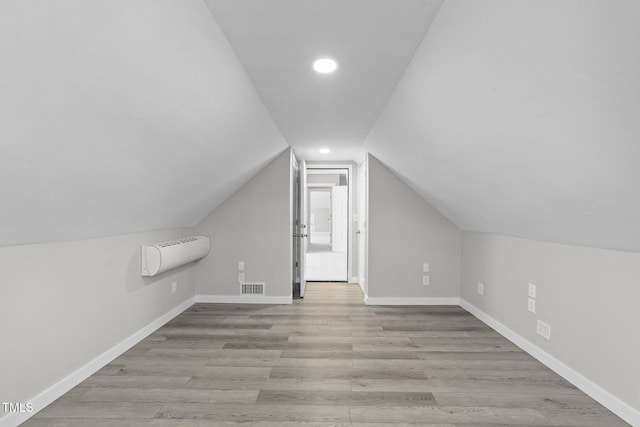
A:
[278, 40]
[513, 117]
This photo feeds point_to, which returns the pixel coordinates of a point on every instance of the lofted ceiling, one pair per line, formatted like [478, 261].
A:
[518, 118]
[121, 116]
[277, 42]
[523, 118]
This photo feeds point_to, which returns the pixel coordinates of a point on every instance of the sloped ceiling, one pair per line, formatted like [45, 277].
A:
[278, 40]
[513, 117]
[523, 118]
[121, 116]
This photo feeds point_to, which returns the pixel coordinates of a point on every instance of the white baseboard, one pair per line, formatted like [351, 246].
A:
[70, 381]
[412, 301]
[354, 279]
[243, 299]
[606, 399]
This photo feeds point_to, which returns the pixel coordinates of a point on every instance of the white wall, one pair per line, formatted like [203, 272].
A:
[64, 304]
[320, 199]
[254, 226]
[404, 232]
[121, 116]
[590, 297]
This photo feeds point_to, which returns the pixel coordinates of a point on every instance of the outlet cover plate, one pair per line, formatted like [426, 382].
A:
[531, 305]
[480, 288]
[426, 281]
[544, 330]
[532, 290]
[425, 267]
[241, 265]
[241, 277]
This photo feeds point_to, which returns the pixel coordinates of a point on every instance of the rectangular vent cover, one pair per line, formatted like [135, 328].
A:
[252, 288]
[177, 242]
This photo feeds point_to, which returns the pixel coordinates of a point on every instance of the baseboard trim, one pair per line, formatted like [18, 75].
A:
[412, 301]
[606, 399]
[361, 283]
[243, 299]
[70, 381]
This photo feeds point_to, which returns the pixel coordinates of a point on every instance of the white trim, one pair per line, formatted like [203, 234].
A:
[360, 281]
[70, 381]
[355, 279]
[606, 399]
[243, 299]
[320, 185]
[292, 208]
[412, 301]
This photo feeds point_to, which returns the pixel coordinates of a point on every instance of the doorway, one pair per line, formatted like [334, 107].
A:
[328, 218]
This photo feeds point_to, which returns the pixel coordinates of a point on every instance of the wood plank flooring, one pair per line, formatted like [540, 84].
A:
[327, 360]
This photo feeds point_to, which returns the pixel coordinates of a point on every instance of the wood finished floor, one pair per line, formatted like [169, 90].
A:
[327, 360]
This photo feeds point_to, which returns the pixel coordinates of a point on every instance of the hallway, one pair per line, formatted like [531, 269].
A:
[327, 360]
[325, 265]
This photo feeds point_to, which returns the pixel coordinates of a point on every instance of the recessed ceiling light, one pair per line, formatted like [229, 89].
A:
[325, 65]
[324, 151]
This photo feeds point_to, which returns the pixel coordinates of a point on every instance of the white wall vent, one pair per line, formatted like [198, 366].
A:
[162, 256]
[252, 288]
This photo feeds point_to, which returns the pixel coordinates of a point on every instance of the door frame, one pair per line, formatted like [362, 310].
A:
[294, 213]
[303, 228]
[350, 226]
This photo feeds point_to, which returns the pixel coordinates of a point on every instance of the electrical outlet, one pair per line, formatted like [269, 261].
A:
[531, 306]
[174, 287]
[532, 290]
[425, 267]
[543, 330]
[241, 265]
[480, 288]
[425, 281]
[241, 277]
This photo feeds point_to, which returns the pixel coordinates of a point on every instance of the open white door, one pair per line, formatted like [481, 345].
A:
[339, 218]
[303, 233]
[295, 220]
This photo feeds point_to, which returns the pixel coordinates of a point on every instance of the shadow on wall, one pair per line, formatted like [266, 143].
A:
[135, 281]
